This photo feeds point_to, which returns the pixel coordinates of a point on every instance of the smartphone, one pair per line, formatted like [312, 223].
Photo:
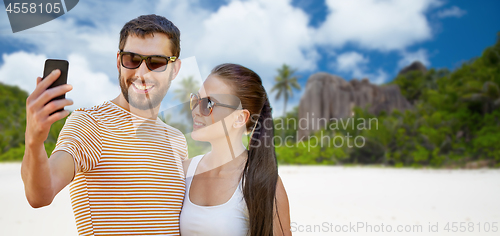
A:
[52, 64]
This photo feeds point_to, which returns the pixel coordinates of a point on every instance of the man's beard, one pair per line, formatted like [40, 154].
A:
[146, 101]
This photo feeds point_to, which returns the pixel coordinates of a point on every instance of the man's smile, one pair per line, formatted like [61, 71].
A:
[139, 87]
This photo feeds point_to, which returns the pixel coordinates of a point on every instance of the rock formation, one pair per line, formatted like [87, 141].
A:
[328, 96]
[415, 66]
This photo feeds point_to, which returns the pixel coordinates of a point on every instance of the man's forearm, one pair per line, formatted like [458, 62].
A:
[35, 172]
[41, 113]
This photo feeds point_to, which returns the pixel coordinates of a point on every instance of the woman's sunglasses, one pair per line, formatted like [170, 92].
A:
[206, 104]
[155, 63]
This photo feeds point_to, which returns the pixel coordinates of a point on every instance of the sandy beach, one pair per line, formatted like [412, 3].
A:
[323, 201]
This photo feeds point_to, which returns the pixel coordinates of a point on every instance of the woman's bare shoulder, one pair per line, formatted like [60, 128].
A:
[185, 165]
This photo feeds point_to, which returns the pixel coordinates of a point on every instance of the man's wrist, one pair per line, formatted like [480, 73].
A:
[32, 140]
[33, 146]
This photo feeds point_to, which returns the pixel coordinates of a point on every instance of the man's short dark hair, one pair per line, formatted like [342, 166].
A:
[146, 25]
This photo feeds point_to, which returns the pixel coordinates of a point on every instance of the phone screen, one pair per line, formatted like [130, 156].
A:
[63, 65]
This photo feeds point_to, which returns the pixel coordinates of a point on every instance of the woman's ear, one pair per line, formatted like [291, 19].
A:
[241, 119]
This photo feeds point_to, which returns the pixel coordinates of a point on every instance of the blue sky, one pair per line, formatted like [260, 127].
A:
[352, 39]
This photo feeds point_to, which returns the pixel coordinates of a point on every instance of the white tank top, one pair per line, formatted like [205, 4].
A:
[229, 218]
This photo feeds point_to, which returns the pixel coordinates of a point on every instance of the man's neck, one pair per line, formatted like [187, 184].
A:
[149, 113]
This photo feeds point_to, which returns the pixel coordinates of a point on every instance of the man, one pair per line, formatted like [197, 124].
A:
[123, 163]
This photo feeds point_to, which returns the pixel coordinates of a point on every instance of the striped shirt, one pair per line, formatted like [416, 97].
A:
[129, 178]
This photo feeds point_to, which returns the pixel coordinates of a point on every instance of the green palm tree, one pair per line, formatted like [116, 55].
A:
[285, 83]
[489, 96]
[188, 86]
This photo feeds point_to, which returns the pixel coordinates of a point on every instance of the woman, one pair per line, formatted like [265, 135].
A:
[231, 190]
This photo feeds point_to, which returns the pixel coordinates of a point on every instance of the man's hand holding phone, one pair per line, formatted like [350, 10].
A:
[39, 108]
[44, 177]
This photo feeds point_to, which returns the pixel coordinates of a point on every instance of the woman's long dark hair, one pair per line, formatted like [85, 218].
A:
[260, 174]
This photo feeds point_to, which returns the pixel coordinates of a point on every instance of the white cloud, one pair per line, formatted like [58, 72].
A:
[261, 35]
[60, 38]
[375, 24]
[378, 78]
[409, 57]
[21, 69]
[453, 11]
[350, 61]
[89, 88]
[356, 64]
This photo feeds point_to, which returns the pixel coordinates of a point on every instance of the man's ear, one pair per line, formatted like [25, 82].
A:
[177, 67]
[118, 60]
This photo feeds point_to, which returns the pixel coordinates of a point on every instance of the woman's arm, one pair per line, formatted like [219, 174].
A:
[281, 223]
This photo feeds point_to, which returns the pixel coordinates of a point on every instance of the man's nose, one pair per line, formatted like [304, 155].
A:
[142, 70]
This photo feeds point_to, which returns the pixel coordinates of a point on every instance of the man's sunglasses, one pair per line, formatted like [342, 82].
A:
[156, 63]
[206, 104]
